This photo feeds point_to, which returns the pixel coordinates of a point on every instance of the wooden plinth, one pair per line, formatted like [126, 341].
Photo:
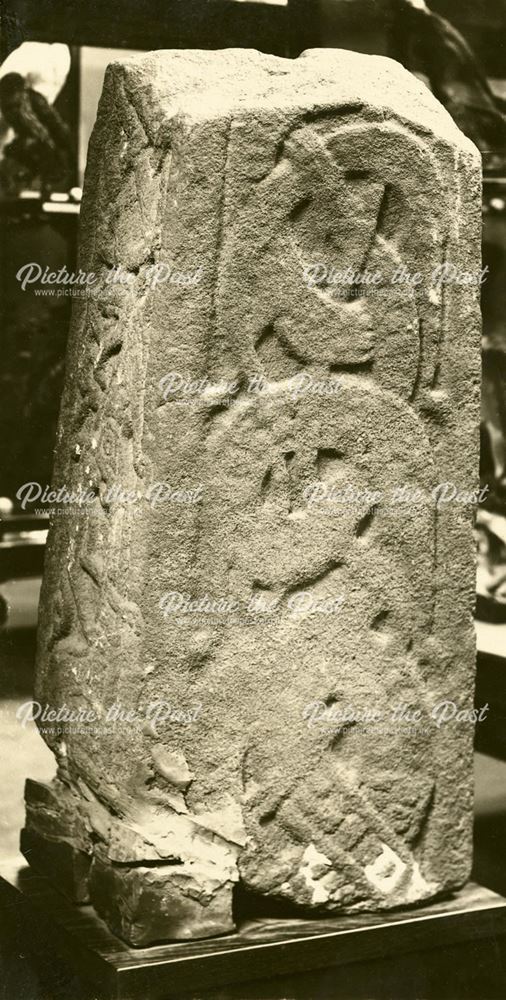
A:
[271, 958]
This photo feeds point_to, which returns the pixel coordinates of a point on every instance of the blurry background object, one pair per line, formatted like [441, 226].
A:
[22, 543]
[34, 329]
[429, 44]
[36, 148]
[45, 67]
[491, 574]
[39, 154]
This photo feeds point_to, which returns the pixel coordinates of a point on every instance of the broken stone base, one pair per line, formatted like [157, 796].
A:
[165, 902]
[52, 841]
[141, 898]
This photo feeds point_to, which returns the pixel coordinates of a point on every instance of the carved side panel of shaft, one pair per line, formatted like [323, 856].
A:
[260, 605]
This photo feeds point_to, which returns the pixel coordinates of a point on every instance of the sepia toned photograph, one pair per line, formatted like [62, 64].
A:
[253, 500]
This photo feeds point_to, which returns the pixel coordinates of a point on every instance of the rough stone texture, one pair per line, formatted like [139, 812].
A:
[251, 167]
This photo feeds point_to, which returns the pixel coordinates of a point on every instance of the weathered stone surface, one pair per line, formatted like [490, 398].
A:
[179, 901]
[248, 169]
[55, 840]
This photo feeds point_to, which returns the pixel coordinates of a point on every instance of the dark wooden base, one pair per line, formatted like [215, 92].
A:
[456, 941]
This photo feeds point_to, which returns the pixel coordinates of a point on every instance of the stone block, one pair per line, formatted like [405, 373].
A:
[254, 181]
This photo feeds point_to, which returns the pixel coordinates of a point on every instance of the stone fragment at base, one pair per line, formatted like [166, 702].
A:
[264, 558]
